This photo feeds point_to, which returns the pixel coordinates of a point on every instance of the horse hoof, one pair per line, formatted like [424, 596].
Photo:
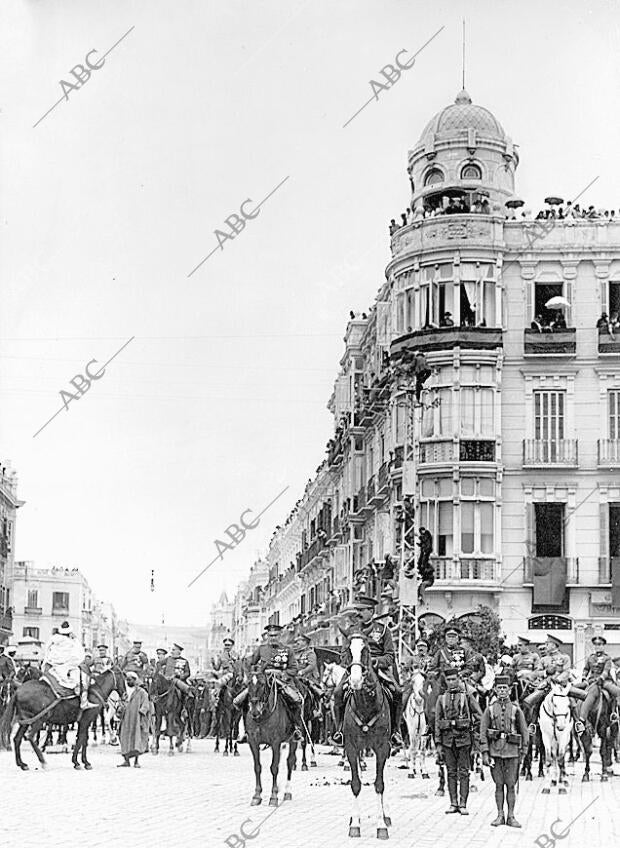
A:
[411, 776]
[304, 767]
[562, 790]
[24, 767]
[236, 754]
[273, 802]
[546, 791]
[313, 764]
[604, 778]
[426, 777]
[288, 796]
[355, 831]
[585, 778]
[256, 800]
[88, 767]
[77, 766]
[382, 833]
[388, 821]
[440, 792]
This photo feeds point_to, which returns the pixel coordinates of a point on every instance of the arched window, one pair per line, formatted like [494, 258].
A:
[471, 172]
[433, 176]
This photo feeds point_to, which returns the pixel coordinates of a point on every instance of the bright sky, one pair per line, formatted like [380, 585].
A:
[106, 206]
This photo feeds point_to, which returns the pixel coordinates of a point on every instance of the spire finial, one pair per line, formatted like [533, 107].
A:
[463, 53]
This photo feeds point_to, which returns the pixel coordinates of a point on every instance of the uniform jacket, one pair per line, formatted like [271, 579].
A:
[176, 667]
[100, 664]
[504, 717]
[7, 668]
[380, 644]
[460, 658]
[278, 657]
[307, 664]
[525, 662]
[133, 661]
[553, 664]
[452, 706]
[597, 666]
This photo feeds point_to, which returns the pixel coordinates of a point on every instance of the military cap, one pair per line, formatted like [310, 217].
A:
[161, 651]
[365, 602]
[302, 637]
[421, 642]
[273, 628]
[137, 642]
[502, 680]
[453, 628]
[599, 640]
[131, 673]
[177, 646]
[228, 640]
[554, 639]
[524, 640]
[102, 646]
[451, 672]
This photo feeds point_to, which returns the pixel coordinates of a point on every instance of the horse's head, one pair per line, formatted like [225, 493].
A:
[360, 661]
[258, 694]
[558, 704]
[118, 681]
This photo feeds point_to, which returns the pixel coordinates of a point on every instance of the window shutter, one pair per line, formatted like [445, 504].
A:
[530, 526]
[604, 531]
[383, 323]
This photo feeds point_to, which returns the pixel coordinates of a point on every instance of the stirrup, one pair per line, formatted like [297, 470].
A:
[532, 729]
[579, 727]
[337, 737]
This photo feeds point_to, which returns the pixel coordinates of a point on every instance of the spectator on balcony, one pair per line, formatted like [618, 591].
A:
[393, 227]
[559, 323]
[446, 320]
[603, 322]
[404, 219]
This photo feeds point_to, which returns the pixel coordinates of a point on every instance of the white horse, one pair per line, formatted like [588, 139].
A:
[556, 725]
[415, 718]
[332, 675]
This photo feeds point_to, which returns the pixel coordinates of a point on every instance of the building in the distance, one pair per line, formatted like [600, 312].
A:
[510, 456]
[9, 504]
[249, 616]
[193, 640]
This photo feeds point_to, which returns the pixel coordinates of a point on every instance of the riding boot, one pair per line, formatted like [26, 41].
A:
[296, 717]
[396, 715]
[84, 702]
[338, 719]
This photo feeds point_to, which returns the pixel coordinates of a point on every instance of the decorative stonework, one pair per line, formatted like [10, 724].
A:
[458, 230]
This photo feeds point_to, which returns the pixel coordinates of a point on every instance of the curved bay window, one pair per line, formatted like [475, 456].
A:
[433, 176]
[462, 523]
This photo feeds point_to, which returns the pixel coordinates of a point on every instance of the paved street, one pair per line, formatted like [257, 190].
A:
[200, 799]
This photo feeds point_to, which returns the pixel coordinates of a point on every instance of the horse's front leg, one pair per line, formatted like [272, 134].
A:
[290, 765]
[17, 745]
[356, 785]
[383, 820]
[275, 767]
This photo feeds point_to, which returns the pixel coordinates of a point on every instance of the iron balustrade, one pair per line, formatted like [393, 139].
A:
[608, 452]
[543, 452]
[455, 570]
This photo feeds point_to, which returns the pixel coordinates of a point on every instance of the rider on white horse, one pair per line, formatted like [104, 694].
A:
[63, 657]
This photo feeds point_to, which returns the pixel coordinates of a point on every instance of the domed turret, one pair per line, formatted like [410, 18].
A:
[460, 117]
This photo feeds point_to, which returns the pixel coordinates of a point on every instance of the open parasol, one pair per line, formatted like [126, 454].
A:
[557, 302]
[514, 203]
[554, 201]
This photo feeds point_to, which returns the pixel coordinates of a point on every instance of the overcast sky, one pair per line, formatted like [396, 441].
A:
[108, 204]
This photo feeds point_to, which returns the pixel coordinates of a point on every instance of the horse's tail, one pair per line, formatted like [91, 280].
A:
[6, 722]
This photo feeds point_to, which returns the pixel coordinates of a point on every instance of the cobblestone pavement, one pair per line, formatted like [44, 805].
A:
[201, 799]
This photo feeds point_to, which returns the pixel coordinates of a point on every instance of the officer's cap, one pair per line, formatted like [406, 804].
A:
[554, 639]
[301, 637]
[502, 680]
[177, 646]
[421, 642]
[102, 646]
[365, 602]
[523, 640]
[273, 628]
[161, 651]
[450, 672]
[228, 641]
[453, 628]
[599, 640]
[137, 642]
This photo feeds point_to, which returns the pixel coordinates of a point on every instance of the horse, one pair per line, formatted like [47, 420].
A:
[167, 702]
[556, 724]
[415, 719]
[601, 722]
[268, 722]
[333, 673]
[227, 715]
[366, 724]
[307, 713]
[34, 702]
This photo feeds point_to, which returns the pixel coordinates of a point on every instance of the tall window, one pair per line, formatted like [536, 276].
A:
[471, 172]
[549, 416]
[33, 598]
[60, 602]
[614, 414]
[477, 411]
[30, 632]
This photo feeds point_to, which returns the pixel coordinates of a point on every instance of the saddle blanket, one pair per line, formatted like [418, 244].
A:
[58, 690]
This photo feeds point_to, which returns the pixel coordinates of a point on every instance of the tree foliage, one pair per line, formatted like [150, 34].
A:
[483, 627]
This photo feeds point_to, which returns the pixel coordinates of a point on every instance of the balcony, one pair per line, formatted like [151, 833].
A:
[547, 453]
[608, 344]
[559, 343]
[6, 621]
[446, 338]
[370, 490]
[572, 569]
[335, 531]
[609, 453]
[383, 480]
[476, 450]
[435, 453]
[473, 571]
[33, 611]
[60, 610]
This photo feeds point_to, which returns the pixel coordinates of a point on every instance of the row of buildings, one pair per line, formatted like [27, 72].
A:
[511, 457]
[33, 601]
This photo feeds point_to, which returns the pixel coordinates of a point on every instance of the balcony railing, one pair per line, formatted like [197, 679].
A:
[6, 621]
[33, 611]
[60, 610]
[383, 480]
[446, 338]
[475, 569]
[541, 453]
[436, 452]
[609, 453]
[608, 343]
[370, 489]
[572, 568]
[476, 450]
[558, 343]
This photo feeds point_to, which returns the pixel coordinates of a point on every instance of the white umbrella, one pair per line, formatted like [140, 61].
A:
[557, 302]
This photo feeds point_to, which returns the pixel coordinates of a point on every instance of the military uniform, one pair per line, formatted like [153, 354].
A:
[597, 676]
[456, 716]
[7, 667]
[554, 667]
[504, 737]
[307, 664]
[459, 658]
[135, 661]
[100, 664]
[525, 664]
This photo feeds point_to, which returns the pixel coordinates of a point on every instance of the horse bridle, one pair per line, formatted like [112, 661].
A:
[555, 715]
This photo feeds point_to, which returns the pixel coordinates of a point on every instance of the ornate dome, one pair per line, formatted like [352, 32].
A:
[461, 116]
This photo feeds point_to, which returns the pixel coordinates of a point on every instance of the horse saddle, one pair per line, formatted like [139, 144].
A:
[59, 691]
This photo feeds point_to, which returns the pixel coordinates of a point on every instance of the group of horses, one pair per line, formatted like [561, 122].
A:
[269, 723]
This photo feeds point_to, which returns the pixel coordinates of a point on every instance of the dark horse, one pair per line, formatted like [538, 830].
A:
[309, 708]
[366, 725]
[167, 702]
[268, 722]
[34, 703]
[227, 716]
[601, 723]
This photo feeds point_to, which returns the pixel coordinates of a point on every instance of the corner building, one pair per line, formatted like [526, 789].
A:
[512, 459]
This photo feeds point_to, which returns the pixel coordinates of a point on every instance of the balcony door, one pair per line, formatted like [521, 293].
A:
[550, 569]
[549, 529]
[549, 420]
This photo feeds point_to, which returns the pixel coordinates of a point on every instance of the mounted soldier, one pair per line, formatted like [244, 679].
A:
[453, 656]
[596, 677]
[381, 647]
[275, 657]
[102, 662]
[176, 668]
[135, 660]
[308, 669]
[161, 654]
[226, 664]
[62, 659]
[552, 666]
[525, 661]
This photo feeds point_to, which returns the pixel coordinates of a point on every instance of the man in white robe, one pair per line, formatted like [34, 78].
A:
[63, 655]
